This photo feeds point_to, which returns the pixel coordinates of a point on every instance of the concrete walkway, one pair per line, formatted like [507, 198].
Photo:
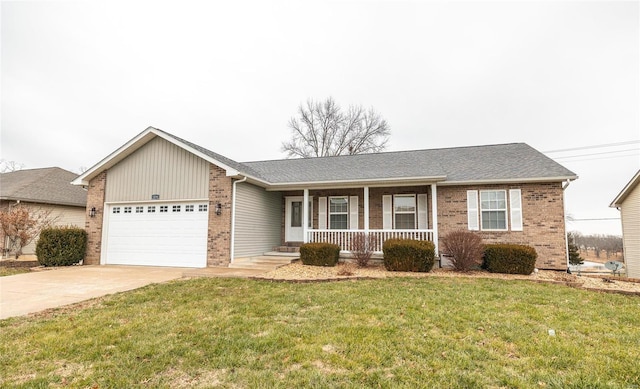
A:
[26, 293]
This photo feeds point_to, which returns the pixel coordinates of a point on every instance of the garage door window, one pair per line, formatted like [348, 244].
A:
[176, 208]
[139, 209]
[116, 209]
[202, 208]
[151, 209]
[164, 208]
[127, 209]
[188, 208]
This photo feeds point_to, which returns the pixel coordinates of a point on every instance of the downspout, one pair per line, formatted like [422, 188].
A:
[564, 211]
[434, 218]
[233, 218]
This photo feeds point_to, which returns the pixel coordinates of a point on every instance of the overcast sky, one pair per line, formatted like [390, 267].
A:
[79, 79]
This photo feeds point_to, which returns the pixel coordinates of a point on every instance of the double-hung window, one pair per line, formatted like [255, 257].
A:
[404, 212]
[493, 210]
[338, 213]
[489, 210]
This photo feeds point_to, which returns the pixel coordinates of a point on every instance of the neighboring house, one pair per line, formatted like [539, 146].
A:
[628, 203]
[46, 189]
[161, 200]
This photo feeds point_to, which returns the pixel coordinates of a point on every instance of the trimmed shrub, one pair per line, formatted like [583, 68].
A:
[61, 246]
[466, 249]
[509, 258]
[408, 255]
[319, 254]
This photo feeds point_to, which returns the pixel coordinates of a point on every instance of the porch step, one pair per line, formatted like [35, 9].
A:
[294, 255]
[263, 262]
[287, 249]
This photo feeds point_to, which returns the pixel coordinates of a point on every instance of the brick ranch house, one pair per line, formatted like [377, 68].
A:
[161, 200]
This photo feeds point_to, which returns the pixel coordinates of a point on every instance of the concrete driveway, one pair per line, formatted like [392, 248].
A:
[26, 293]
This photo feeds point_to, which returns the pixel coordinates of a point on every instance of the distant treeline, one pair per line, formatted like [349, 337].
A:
[610, 244]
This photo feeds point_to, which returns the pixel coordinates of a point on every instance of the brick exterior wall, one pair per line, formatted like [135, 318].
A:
[219, 234]
[93, 225]
[542, 216]
[375, 203]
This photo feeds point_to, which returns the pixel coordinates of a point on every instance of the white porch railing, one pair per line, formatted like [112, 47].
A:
[344, 238]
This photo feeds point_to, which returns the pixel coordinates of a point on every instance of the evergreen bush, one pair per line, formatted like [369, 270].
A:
[509, 258]
[61, 246]
[319, 254]
[408, 255]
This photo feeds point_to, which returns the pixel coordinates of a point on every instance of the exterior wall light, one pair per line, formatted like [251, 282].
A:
[218, 209]
[92, 212]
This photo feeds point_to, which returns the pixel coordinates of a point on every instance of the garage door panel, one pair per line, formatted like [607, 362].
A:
[136, 236]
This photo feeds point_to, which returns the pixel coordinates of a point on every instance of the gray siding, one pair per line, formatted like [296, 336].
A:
[258, 219]
[630, 212]
[162, 168]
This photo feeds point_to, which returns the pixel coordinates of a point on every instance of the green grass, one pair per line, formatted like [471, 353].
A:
[432, 332]
[9, 271]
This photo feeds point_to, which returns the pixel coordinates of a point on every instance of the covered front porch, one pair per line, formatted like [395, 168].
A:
[341, 215]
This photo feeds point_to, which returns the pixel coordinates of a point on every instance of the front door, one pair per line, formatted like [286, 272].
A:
[293, 231]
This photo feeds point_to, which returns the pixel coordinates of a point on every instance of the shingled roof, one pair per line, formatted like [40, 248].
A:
[512, 162]
[46, 185]
[494, 163]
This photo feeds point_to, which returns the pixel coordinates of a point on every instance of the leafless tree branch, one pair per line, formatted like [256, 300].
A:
[323, 129]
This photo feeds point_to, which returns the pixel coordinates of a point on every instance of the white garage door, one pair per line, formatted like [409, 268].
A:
[159, 234]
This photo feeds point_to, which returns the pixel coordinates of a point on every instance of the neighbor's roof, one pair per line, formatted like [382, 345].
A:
[514, 162]
[626, 191]
[50, 185]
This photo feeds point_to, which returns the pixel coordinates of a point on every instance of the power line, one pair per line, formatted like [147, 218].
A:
[630, 142]
[602, 153]
[595, 159]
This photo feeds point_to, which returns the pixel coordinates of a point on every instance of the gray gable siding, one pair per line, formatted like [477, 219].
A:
[258, 218]
[159, 167]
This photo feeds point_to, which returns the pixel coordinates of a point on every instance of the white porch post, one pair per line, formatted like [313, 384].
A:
[434, 217]
[366, 210]
[305, 216]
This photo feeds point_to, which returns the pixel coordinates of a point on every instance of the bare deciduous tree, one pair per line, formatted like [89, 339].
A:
[323, 129]
[465, 248]
[10, 166]
[20, 225]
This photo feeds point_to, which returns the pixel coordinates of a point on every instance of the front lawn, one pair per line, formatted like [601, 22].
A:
[398, 332]
[9, 271]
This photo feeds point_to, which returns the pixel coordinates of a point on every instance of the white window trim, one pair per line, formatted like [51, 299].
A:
[415, 210]
[505, 210]
[329, 213]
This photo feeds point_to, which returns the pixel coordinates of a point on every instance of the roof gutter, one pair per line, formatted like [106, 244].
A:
[233, 218]
[508, 181]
